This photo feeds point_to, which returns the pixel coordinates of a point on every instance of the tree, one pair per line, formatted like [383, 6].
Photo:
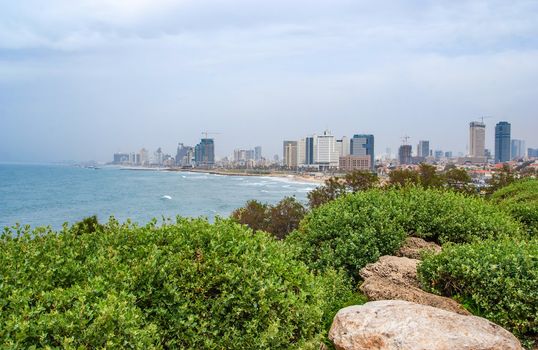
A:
[458, 180]
[501, 178]
[428, 176]
[285, 217]
[404, 177]
[254, 214]
[360, 180]
[279, 219]
[332, 189]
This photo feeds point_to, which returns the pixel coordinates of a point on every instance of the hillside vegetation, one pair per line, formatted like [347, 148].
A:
[358, 228]
[185, 285]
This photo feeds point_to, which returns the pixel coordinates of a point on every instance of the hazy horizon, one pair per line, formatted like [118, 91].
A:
[82, 80]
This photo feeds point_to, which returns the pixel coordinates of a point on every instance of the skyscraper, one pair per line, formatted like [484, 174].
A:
[309, 150]
[301, 152]
[183, 154]
[204, 153]
[423, 149]
[517, 149]
[363, 145]
[343, 146]
[326, 153]
[477, 139]
[258, 153]
[404, 154]
[290, 154]
[502, 142]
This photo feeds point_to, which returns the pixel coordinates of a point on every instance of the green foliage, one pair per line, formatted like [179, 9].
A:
[404, 177]
[285, 216]
[186, 285]
[335, 187]
[254, 214]
[360, 180]
[428, 177]
[329, 191]
[279, 219]
[458, 180]
[89, 224]
[357, 229]
[446, 216]
[495, 279]
[501, 178]
[349, 232]
[520, 199]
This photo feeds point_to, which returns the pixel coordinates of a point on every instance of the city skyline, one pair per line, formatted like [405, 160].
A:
[79, 79]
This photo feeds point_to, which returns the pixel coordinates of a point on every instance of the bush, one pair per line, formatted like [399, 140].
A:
[357, 229]
[279, 219]
[185, 285]
[446, 216]
[334, 187]
[495, 279]
[520, 199]
[348, 232]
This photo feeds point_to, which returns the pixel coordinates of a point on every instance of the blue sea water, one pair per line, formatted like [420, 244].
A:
[42, 195]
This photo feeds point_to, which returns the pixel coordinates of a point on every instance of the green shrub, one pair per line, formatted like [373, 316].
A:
[495, 279]
[185, 285]
[357, 229]
[278, 220]
[348, 233]
[446, 216]
[520, 199]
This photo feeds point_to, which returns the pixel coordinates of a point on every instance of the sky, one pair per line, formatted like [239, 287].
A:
[80, 80]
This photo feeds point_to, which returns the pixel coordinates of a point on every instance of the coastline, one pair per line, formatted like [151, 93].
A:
[291, 177]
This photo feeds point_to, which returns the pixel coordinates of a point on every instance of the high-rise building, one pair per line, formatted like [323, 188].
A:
[204, 153]
[182, 155]
[290, 154]
[120, 158]
[258, 153]
[363, 145]
[301, 152]
[310, 146]
[144, 157]
[326, 153]
[423, 149]
[404, 154]
[502, 142]
[477, 139]
[343, 146]
[517, 149]
[438, 154]
[532, 152]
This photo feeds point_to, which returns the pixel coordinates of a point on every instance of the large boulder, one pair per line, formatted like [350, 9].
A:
[413, 247]
[402, 325]
[395, 278]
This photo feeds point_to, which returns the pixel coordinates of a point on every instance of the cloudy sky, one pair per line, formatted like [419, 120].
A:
[83, 79]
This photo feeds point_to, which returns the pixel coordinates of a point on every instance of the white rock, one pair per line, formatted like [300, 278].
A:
[402, 325]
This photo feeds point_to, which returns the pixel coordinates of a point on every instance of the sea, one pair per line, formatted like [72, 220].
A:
[50, 195]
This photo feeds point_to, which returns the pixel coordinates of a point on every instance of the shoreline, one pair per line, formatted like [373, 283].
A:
[292, 177]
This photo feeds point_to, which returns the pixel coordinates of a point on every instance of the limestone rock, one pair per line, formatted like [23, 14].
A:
[395, 278]
[414, 246]
[402, 325]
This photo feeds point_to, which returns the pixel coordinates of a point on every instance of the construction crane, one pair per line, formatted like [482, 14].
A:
[205, 133]
[405, 139]
[485, 117]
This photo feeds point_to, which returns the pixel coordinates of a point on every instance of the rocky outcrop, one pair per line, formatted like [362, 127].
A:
[414, 246]
[402, 325]
[395, 278]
